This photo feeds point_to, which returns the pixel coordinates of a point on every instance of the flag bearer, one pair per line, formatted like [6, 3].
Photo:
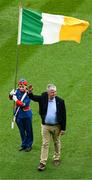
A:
[23, 115]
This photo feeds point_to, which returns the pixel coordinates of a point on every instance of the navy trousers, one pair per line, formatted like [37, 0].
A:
[26, 131]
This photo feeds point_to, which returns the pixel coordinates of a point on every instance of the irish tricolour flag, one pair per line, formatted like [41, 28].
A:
[44, 28]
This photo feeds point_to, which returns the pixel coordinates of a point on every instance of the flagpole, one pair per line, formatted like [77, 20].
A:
[18, 43]
[17, 62]
[16, 68]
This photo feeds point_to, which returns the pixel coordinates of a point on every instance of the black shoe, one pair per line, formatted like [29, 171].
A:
[41, 167]
[56, 162]
[21, 148]
[28, 149]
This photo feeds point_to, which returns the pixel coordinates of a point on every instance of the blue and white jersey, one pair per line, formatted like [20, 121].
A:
[24, 112]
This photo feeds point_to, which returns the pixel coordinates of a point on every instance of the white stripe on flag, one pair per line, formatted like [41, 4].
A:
[19, 26]
[51, 27]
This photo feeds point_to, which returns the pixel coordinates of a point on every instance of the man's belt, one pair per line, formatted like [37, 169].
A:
[52, 124]
[27, 108]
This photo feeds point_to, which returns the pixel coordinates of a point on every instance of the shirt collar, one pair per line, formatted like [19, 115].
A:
[51, 100]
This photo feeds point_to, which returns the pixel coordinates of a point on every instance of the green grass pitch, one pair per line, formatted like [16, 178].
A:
[66, 64]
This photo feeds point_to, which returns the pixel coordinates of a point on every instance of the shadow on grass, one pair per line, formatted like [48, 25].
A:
[62, 6]
[9, 56]
[55, 6]
[7, 3]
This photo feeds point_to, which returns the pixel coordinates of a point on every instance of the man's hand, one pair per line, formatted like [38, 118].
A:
[62, 132]
[30, 88]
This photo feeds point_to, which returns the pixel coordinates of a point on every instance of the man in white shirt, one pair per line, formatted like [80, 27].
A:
[53, 114]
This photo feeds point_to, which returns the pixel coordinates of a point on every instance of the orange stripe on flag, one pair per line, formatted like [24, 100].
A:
[72, 29]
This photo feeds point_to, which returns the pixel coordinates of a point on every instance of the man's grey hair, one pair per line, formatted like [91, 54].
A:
[51, 87]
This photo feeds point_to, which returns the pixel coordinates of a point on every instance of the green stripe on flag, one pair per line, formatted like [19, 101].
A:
[31, 27]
